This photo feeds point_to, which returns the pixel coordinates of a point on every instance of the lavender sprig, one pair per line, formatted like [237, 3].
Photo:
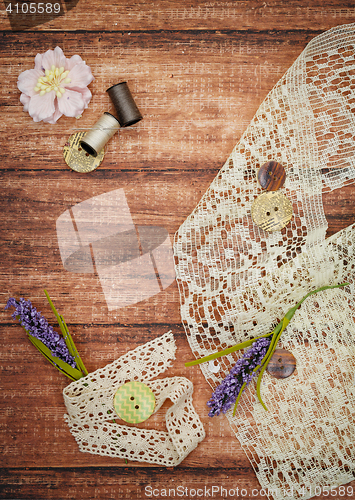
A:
[254, 361]
[37, 326]
[50, 343]
[245, 369]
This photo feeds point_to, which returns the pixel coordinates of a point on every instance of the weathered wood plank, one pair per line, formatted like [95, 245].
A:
[191, 14]
[33, 201]
[112, 483]
[197, 93]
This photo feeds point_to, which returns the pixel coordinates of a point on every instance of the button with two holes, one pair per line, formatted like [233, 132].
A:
[134, 402]
[271, 211]
[78, 159]
[271, 176]
[282, 364]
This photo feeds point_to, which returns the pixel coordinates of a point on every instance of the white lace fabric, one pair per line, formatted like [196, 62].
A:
[92, 418]
[305, 441]
[236, 280]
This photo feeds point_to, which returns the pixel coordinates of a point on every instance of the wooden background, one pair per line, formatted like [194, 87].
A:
[199, 71]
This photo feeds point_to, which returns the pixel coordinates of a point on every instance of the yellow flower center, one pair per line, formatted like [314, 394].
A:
[53, 79]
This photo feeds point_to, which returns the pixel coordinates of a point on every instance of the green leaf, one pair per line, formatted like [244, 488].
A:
[52, 306]
[70, 342]
[234, 348]
[64, 367]
[56, 366]
[67, 337]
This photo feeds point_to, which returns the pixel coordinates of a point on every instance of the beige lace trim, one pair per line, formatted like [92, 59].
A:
[92, 417]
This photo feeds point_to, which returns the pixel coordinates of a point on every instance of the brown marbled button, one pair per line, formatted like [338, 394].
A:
[271, 211]
[282, 364]
[271, 175]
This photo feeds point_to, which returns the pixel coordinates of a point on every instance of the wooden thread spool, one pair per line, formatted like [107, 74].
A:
[94, 140]
[126, 108]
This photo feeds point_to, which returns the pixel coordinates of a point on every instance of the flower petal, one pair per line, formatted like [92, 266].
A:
[86, 94]
[25, 99]
[54, 57]
[59, 58]
[38, 62]
[71, 103]
[80, 75]
[73, 61]
[42, 107]
[27, 81]
[56, 115]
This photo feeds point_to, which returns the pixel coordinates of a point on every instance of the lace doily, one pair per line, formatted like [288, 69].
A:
[236, 280]
[92, 417]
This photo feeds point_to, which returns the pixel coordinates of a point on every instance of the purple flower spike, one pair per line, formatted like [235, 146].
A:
[37, 326]
[226, 393]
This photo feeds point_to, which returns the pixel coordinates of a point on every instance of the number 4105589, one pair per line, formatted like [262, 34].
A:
[33, 8]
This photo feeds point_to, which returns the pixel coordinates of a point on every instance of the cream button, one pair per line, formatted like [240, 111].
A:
[271, 211]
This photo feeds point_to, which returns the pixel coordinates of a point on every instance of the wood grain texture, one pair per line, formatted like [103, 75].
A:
[193, 14]
[198, 72]
[34, 412]
[33, 201]
[112, 483]
[197, 93]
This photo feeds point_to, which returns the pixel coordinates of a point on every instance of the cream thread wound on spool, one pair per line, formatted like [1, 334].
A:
[99, 135]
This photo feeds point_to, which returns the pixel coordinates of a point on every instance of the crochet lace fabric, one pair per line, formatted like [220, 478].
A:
[306, 439]
[92, 417]
[236, 280]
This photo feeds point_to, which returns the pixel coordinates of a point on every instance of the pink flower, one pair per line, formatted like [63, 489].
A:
[56, 86]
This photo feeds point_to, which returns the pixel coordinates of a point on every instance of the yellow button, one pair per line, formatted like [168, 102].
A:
[78, 159]
[134, 402]
[271, 211]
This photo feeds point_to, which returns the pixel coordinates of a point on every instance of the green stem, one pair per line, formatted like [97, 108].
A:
[276, 334]
[266, 359]
[293, 309]
[238, 398]
[52, 306]
[219, 354]
[243, 387]
[67, 337]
